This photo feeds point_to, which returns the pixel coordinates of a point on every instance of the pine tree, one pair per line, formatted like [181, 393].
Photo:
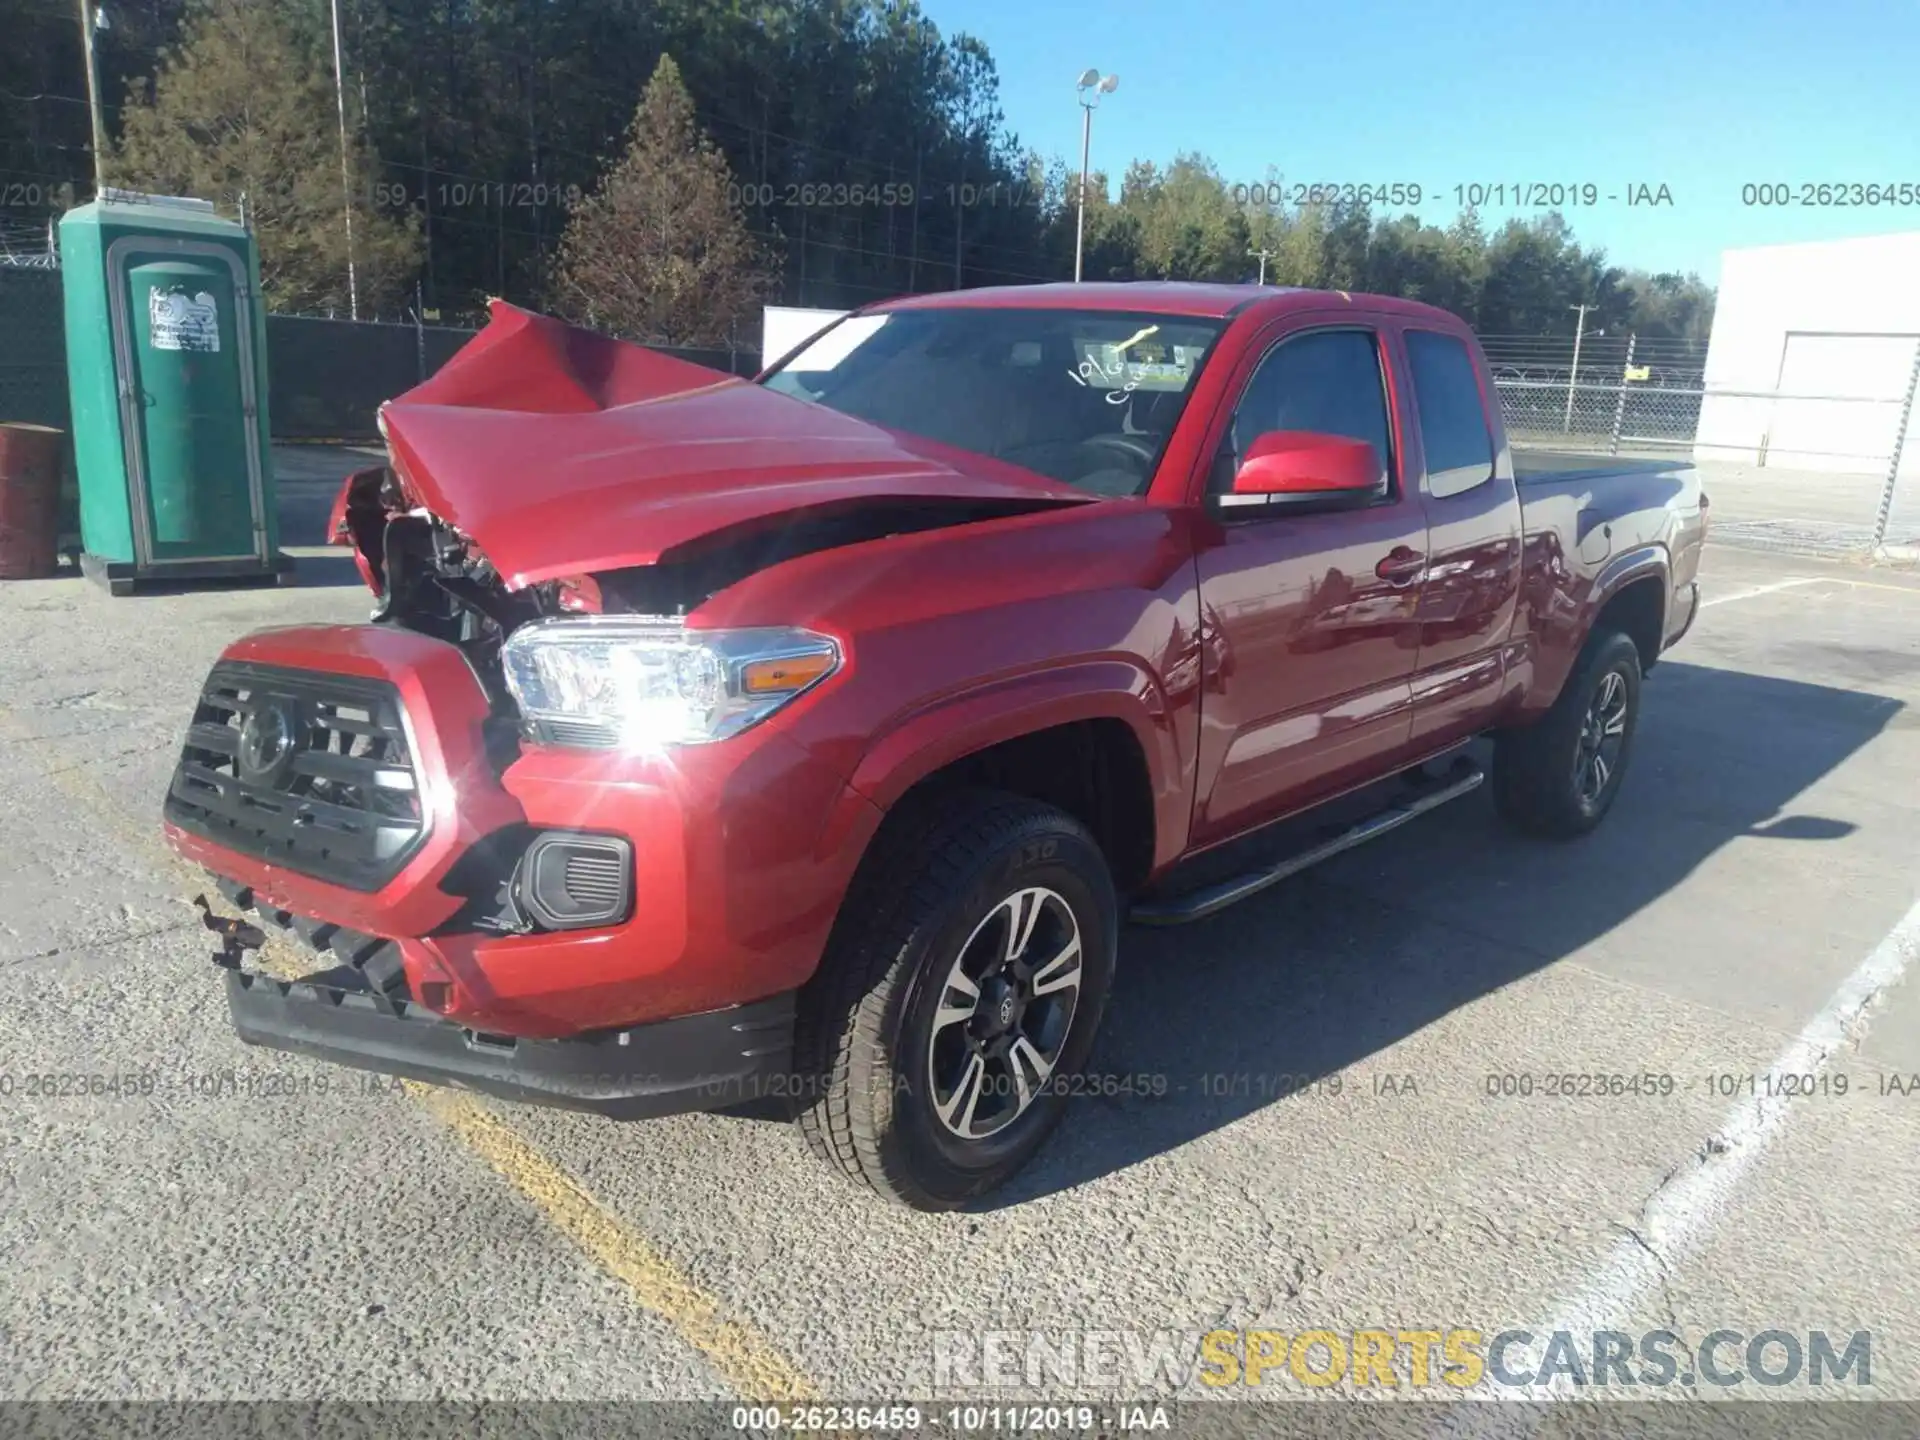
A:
[238, 110]
[660, 251]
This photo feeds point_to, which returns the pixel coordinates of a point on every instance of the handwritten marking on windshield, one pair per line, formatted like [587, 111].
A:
[1127, 376]
[1090, 370]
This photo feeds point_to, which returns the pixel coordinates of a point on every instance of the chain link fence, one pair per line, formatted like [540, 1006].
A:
[1825, 468]
[327, 377]
[1610, 392]
[33, 361]
[1828, 462]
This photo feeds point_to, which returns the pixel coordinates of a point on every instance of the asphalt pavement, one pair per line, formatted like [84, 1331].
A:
[1336, 1108]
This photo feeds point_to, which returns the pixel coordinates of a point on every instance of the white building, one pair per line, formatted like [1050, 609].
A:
[1827, 334]
[784, 327]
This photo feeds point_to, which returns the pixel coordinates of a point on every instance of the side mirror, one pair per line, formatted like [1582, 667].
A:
[1299, 464]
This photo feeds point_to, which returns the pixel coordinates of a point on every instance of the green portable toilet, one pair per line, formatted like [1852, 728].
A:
[166, 363]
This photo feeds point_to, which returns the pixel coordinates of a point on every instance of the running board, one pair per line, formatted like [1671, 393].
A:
[1465, 778]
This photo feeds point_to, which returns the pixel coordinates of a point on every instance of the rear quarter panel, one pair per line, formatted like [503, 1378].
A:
[1588, 532]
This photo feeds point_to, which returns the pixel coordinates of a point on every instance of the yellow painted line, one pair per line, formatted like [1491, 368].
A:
[745, 1358]
[739, 1353]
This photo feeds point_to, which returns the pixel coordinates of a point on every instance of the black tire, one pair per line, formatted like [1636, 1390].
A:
[867, 1041]
[1541, 776]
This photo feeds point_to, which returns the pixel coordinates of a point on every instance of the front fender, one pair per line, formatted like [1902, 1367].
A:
[924, 740]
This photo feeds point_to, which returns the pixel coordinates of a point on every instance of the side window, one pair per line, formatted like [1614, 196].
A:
[1329, 381]
[1453, 417]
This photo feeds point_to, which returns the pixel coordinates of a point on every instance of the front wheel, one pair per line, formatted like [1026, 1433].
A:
[1559, 776]
[958, 999]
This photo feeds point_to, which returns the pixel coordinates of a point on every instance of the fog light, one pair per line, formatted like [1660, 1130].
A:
[569, 880]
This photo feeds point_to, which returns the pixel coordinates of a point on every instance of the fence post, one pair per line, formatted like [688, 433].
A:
[1899, 446]
[1620, 402]
[1573, 378]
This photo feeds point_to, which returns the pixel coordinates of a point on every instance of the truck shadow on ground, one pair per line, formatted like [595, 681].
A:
[1336, 965]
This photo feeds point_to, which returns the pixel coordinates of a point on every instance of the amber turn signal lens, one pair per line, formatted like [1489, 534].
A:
[790, 672]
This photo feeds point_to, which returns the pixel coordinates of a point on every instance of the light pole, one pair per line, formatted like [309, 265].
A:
[1092, 86]
[90, 19]
[346, 175]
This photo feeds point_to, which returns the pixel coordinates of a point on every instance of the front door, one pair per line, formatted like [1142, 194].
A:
[1310, 619]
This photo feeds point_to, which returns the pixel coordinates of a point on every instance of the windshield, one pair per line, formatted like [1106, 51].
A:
[1086, 397]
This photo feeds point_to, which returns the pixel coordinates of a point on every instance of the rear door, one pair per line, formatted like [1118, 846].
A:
[1308, 619]
[1472, 583]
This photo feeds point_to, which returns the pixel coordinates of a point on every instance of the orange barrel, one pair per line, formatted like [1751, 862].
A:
[29, 501]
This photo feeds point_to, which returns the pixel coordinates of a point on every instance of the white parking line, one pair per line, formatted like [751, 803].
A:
[1688, 1204]
[1752, 591]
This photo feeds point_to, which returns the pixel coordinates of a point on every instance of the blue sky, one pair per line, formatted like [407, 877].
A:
[1701, 97]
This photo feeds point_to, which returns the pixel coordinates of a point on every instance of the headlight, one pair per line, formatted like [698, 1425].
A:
[644, 682]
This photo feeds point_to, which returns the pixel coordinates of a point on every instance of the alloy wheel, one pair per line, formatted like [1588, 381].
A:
[1004, 1013]
[1603, 735]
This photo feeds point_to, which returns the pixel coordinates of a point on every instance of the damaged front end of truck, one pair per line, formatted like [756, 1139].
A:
[493, 813]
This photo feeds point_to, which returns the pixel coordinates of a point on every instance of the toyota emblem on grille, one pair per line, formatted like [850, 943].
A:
[267, 742]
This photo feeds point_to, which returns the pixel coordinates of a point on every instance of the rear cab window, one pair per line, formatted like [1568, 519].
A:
[1453, 414]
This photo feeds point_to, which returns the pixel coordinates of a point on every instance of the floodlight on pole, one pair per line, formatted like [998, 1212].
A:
[1091, 86]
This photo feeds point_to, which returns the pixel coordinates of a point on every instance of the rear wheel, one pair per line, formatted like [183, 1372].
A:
[960, 992]
[1559, 776]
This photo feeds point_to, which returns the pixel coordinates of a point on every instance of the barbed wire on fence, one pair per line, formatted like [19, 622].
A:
[28, 244]
[1595, 345]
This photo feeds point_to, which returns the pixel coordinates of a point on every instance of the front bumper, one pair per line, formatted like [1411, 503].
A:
[694, 1062]
[740, 855]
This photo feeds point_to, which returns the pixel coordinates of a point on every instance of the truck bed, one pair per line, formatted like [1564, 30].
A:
[1534, 467]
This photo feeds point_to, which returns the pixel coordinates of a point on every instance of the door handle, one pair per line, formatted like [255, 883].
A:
[1400, 566]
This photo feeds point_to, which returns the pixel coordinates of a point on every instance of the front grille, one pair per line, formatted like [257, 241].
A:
[309, 770]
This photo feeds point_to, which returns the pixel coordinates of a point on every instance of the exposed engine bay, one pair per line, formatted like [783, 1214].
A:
[431, 578]
[547, 470]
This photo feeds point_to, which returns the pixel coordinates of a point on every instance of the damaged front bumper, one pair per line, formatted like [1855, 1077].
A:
[731, 864]
[360, 1015]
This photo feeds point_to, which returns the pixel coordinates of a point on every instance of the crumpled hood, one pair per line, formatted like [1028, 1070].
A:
[559, 451]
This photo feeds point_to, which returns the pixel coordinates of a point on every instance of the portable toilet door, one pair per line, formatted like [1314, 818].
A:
[183, 334]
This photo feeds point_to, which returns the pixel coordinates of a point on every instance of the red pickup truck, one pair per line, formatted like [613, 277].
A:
[810, 738]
